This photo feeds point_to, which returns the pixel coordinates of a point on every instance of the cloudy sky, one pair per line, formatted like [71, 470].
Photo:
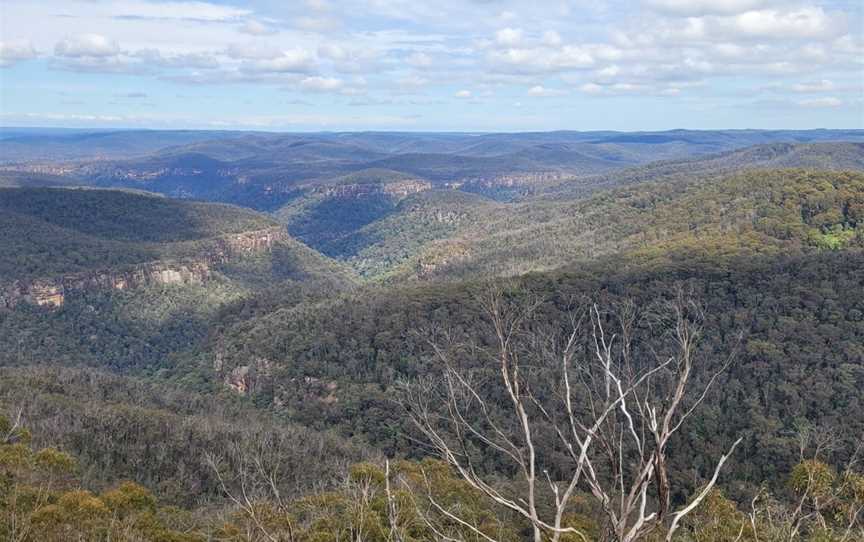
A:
[476, 65]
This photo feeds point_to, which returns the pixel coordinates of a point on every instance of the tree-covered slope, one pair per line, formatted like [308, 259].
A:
[379, 236]
[828, 156]
[412, 225]
[47, 232]
[760, 211]
[158, 433]
[325, 214]
[267, 171]
[799, 358]
[122, 280]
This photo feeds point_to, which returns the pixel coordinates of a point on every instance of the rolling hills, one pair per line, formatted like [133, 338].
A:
[268, 171]
[121, 279]
[173, 327]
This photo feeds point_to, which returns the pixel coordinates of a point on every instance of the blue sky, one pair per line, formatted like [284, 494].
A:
[481, 65]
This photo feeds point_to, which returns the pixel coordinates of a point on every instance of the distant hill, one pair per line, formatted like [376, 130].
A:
[266, 171]
[445, 233]
[836, 156]
[182, 327]
[47, 145]
[326, 213]
[416, 222]
[756, 211]
[24, 179]
[58, 244]
[120, 280]
[51, 231]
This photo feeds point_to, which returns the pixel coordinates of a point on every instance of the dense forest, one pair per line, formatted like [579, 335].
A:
[666, 352]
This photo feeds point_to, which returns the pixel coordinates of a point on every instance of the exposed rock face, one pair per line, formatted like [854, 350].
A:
[244, 379]
[515, 180]
[238, 379]
[397, 189]
[51, 292]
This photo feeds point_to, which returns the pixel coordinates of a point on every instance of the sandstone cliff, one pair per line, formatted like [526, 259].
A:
[396, 189]
[196, 269]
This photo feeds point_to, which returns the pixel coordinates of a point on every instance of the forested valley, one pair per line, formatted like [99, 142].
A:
[358, 341]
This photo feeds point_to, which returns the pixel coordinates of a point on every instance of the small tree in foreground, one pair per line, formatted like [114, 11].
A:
[605, 394]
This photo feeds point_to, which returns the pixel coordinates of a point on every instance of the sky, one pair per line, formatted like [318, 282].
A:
[444, 65]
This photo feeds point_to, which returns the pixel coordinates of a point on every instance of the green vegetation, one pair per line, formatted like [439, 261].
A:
[801, 315]
[260, 401]
[450, 234]
[130, 216]
[756, 212]
[47, 232]
[418, 220]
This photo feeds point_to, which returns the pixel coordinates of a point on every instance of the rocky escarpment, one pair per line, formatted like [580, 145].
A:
[255, 374]
[515, 180]
[396, 189]
[196, 269]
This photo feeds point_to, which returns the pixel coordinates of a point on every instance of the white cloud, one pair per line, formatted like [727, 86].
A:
[511, 47]
[322, 84]
[807, 22]
[413, 81]
[591, 88]
[196, 11]
[463, 94]
[155, 58]
[252, 51]
[814, 86]
[691, 8]
[508, 37]
[349, 59]
[333, 51]
[609, 72]
[827, 102]
[256, 28]
[419, 60]
[315, 24]
[16, 51]
[318, 5]
[542, 59]
[633, 88]
[552, 39]
[290, 61]
[86, 45]
[539, 91]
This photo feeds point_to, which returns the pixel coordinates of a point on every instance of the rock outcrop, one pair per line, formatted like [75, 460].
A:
[396, 189]
[52, 292]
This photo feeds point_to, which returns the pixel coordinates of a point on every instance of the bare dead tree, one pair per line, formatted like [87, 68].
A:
[608, 401]
[13, 433]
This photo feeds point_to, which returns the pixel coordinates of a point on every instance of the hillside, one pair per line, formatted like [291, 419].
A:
[447, 234]
[191, 346]
[156, 432]
[836, 156]
[756, 211]
[325, 214]
[47, 145]
[801, 318]
[47, 232]
[123, 279]
[414, 223]
[268, 171]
